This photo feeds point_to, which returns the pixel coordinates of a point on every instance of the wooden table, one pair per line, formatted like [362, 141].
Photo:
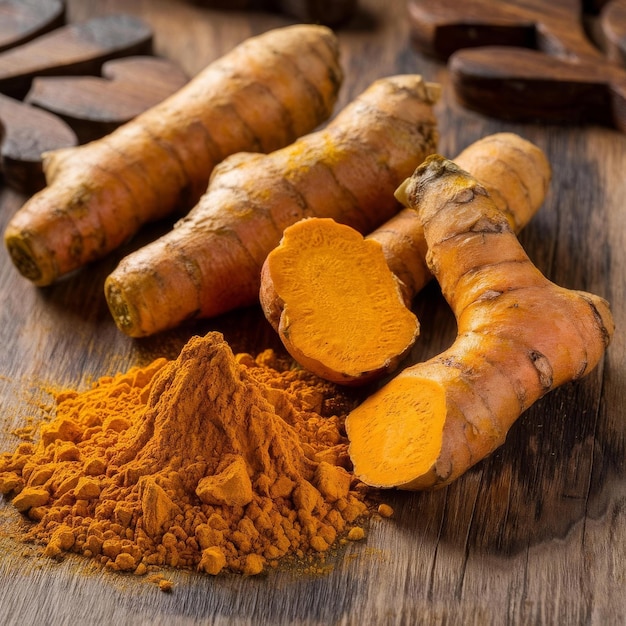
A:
[535, 534]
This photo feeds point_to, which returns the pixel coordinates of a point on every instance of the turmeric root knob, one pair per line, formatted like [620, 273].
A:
[519, 337]
[341, 312]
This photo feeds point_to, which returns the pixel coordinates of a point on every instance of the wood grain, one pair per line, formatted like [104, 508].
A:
[23, 20]
[79, 48]
[534, 535]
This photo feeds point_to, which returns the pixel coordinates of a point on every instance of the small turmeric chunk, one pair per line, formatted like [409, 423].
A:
[41, 475]
[356, 533]
[231, 487]
[9, 481]
[125, 562]
[157, 507]
[253, 565]
[212, 561]
[95, 467]
[384, 510]
[320, 271]
[61, 541]
[30, 497]
[333, 482]
[87, 489]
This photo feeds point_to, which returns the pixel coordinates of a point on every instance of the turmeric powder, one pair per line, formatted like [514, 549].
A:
[210, 461]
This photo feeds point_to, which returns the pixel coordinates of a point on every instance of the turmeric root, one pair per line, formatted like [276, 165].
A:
[211, 261]
[261, 96]
[519, 336]
[516, 174]
[340, 313]
[339, 303]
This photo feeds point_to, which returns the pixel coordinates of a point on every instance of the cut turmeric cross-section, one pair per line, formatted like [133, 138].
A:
[341, 313]
[519, 337]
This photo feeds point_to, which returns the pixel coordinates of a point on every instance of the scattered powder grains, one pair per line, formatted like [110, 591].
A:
[211, 461]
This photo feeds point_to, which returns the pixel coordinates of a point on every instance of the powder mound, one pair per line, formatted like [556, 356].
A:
[212, 461]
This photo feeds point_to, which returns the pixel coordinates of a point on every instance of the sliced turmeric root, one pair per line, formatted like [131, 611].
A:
[337, 296]
[519, 337]
[259, 97]
[335, 323]
[210, 263]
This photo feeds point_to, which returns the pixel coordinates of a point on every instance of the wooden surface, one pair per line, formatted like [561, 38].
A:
[75, 48]
[535, 534]
[21, 21]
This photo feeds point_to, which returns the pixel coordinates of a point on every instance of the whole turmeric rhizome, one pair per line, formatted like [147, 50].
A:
[211, 461]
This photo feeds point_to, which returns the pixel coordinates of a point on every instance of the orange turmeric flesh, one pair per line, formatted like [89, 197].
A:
[210, 263]
[519, 337]
[412, 437]
[260, 96]
[342, 314]
[331, 323]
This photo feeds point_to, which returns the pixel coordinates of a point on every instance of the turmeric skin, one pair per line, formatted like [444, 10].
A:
[212, 461]
[211, 262]
[516, 174]
[261, 96]
[340, 303]
[519, 336]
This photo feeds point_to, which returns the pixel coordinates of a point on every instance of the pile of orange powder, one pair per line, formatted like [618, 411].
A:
[212, 461]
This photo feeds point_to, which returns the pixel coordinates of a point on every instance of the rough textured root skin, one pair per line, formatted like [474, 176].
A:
[99, 194]
[515, 172]
[211, 262]
[338, 310]
[519, 337]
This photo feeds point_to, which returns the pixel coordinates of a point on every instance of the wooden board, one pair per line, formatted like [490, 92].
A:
[46, 100]
[72, 49]
[536, 534]
[23, 20]
[96, 105]
[522, 60]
